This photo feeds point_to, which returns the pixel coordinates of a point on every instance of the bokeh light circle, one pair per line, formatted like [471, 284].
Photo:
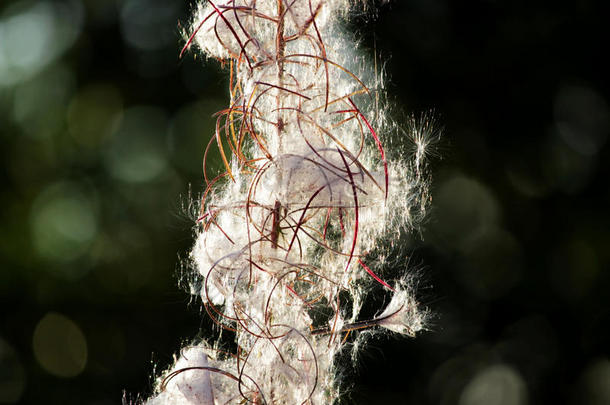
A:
[59, 346]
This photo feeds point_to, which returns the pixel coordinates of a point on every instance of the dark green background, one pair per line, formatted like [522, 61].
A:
[102, 130]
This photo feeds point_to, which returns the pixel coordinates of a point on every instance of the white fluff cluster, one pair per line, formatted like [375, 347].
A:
[307, 193]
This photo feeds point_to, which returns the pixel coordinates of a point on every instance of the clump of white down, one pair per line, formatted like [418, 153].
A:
[285, 235]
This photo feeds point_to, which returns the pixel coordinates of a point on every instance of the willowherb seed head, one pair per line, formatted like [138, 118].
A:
[284, 233]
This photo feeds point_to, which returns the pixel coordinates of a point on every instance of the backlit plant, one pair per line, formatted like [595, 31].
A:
[291, 235]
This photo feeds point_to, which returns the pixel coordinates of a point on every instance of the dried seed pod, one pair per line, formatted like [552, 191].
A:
[308, 191]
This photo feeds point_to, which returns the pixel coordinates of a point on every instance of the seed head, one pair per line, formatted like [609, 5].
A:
[284, 233]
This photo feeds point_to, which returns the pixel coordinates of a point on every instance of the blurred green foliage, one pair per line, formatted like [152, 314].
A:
[102, 133]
